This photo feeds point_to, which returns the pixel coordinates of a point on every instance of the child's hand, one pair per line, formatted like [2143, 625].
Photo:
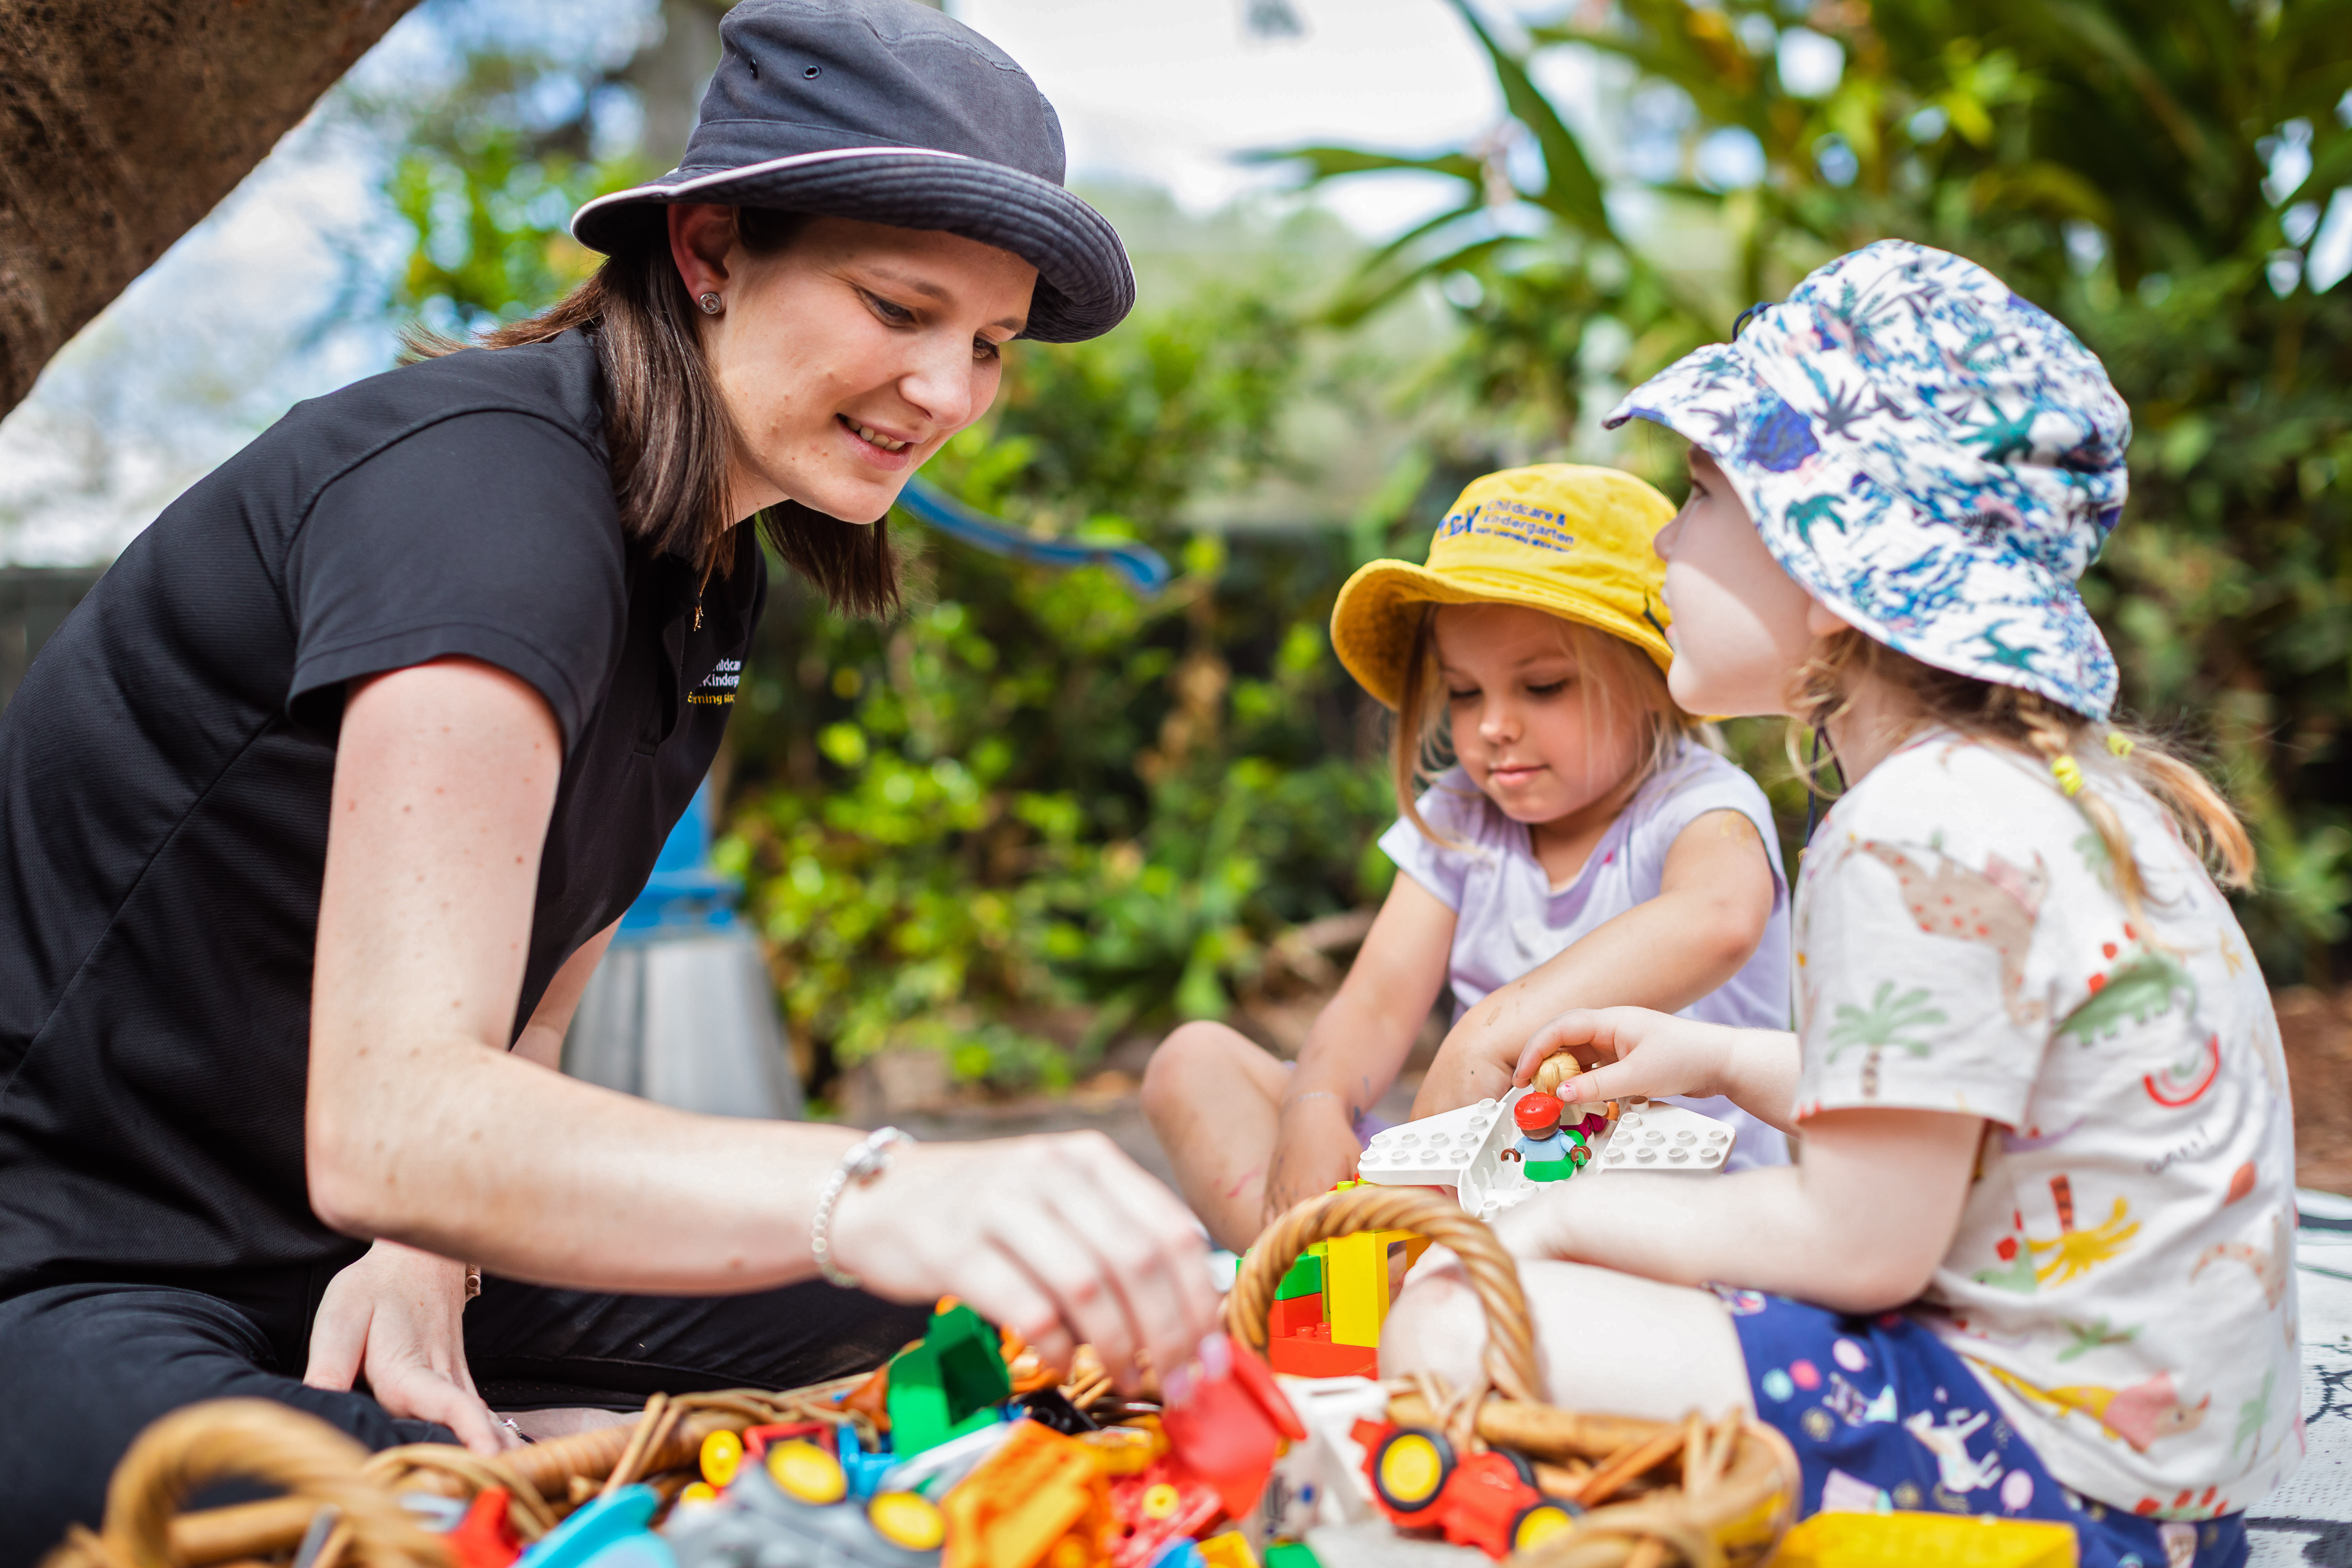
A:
[1655, 1054]
[1314, 1149]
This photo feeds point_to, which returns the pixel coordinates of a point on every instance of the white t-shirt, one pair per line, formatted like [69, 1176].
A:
[2123, 1277]
[1508, 921]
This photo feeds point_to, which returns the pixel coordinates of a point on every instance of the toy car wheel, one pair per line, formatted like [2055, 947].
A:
[1521, 1463]
[1412, 1469]
[1540, 1522]
[721, 1457]
[807, 1473]
[908, 1519]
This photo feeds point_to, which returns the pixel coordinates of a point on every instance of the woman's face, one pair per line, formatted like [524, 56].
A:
[1531, 728]
[1741, 626]
[850, 356]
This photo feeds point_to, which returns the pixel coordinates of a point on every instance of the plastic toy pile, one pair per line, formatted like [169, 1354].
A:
[966, 1451]
[960, 1451]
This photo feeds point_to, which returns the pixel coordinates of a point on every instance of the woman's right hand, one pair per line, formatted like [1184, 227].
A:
[1059, 1237]
[1639, 1052]
[1315, 1148]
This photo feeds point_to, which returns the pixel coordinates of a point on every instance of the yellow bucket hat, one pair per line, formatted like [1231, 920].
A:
[1570, 540]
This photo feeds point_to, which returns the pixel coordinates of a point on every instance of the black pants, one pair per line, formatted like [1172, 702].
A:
[84, 1367]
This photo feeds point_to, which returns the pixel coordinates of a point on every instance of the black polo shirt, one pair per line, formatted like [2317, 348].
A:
[165, 774]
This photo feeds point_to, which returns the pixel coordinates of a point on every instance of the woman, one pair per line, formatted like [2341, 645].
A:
[318, 812]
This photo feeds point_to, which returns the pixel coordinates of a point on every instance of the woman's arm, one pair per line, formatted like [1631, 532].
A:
[422, 1128]
[1714, 900]
[1859, 1226]
[1359, 1043]
[396, 1317]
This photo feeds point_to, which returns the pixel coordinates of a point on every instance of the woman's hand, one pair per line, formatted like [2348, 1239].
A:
[1314, 1149]
[395, 1318]
[1060, 1238]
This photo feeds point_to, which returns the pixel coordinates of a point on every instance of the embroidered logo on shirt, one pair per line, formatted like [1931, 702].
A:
[717, 688]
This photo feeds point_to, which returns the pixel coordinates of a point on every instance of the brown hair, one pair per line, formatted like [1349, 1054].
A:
[1421, 745]
[667, 429]
[2072, 746]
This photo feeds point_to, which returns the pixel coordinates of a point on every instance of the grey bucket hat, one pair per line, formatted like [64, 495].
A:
[889, 112]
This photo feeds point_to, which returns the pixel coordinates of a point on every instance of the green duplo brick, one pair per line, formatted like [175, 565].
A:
[948, 1385]
[1291, 1555]
[971, 1364]
[1304, 1278]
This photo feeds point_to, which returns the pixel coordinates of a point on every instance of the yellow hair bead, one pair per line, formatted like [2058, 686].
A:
[2120, 744]
[2069, 775]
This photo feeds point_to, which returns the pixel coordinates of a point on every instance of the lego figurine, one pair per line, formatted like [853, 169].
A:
[1551, 1153]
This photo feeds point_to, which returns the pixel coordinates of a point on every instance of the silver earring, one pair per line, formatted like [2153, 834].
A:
[711, 304]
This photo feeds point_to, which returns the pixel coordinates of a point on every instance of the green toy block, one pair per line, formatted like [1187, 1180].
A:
[947, 1386]
[972, 1357]
[1291, 1555]
[1304, 1278]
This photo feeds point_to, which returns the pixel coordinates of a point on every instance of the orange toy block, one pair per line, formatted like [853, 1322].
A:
[1022, 1502]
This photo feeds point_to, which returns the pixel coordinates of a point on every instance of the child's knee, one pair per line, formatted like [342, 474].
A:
[1186, 1060]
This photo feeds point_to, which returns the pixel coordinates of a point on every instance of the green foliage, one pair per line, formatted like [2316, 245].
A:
[2149, 174]
[490, 186]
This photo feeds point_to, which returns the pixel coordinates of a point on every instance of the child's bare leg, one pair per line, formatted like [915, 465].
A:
[1608, 1342]
[1213, 1098]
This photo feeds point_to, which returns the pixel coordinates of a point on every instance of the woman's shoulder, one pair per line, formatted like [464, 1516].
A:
[472, 397]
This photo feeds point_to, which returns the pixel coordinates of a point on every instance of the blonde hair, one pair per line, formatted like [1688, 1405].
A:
[2072, 746]
[1421, 746]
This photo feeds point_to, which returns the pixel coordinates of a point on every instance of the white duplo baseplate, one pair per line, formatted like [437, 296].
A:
[1463, 1150]
[1652, 1135]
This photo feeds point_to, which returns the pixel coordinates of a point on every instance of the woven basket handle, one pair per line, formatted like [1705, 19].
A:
[254, 1439]
[1510, 1343]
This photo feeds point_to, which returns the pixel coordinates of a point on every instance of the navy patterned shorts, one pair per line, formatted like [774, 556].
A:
[1884, 1414]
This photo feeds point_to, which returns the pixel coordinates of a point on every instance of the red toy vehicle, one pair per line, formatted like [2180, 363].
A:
[1488, 1500]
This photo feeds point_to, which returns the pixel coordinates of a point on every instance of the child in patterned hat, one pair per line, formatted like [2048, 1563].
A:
[1584, 848]
[2037, 1258]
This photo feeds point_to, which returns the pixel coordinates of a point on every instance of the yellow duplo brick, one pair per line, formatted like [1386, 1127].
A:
[1228, 1551]
[1356, 1287]
[1926, 1540]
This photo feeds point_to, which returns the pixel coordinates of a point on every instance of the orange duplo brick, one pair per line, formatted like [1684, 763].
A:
[1022, 1501]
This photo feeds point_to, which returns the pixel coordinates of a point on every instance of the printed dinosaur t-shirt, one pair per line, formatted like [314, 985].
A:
[2123, 1276]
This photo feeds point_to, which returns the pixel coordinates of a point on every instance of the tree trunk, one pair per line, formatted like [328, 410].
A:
[124, 121]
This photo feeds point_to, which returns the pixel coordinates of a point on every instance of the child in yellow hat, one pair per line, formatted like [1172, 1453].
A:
[1583, 849]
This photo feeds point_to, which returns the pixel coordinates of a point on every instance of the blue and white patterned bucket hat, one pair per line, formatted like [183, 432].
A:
[1934, 459]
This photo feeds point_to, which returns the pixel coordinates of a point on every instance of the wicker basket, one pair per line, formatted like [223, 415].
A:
[317, 1465]
[1705, 1494]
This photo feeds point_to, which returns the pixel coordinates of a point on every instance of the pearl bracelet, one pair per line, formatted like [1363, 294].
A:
[867, 1159]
